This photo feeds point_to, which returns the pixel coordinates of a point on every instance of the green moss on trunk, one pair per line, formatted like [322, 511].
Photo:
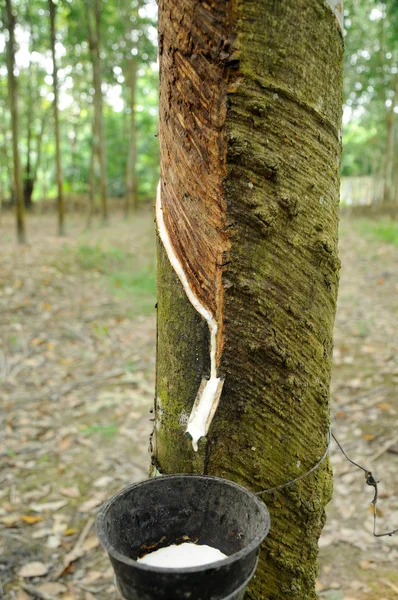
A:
[283, 111]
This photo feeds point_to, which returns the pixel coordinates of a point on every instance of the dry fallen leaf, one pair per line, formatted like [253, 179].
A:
[33, 569]
[384, 406]
[90, 543]
[64, 444]
[53, 541]
[71, 492]
[10, 520]
[90, 504]
[31, 520]
[318, 586]
[91, 577]
[378, 511]
[41, 533]
[103, 481]
[52, 588]
[48, 506]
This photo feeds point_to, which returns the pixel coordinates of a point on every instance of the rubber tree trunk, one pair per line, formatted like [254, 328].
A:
[94, 34]
[250, 114]
[131, 170]
[60, 193]
[13, 102]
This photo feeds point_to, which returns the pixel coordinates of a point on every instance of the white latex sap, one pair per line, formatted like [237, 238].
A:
[200, 417]
[182, 556]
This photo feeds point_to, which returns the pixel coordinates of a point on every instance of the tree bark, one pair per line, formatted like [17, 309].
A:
[390, 146]
[60, 197]
[250, 114]
[28, 181]
[131, 171]
[13, 102]
[28, 176]
[94, 36]
[91, 187]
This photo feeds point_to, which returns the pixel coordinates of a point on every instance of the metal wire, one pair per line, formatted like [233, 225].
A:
[369, 478]
[318, 464]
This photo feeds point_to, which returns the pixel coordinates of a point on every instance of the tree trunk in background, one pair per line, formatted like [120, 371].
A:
[28, 182]
[131, 174]
[390, 146]
[39, 145]
[94, 35]
[28, 186]
[13, 101]
[28, 177]
[91, 187]
[60, 198]
[250, 113]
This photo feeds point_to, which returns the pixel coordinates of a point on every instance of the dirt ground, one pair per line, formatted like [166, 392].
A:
[77, 356]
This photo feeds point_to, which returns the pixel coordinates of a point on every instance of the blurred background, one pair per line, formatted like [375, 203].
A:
[77, 311]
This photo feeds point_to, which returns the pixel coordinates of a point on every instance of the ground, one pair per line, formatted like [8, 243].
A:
[77, 356]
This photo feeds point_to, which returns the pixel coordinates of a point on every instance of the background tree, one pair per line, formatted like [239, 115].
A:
[13, 104]
[250, 113]
[93, 15]
[371, 92]
[60, 201]
[128, 37]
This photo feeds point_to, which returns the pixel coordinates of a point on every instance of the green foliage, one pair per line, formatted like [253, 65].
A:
[128, 32]
[370, 83]
[359, 142]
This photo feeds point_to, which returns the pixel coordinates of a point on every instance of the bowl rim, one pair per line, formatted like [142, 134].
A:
[232, 558]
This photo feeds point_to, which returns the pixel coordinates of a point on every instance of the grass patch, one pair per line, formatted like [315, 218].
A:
[107, 431]
[139, 286]
[385, 230]
[126, 275]
[95, 258]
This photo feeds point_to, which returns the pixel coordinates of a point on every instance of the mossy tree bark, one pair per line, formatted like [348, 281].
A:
[13, 103]
[250, 112]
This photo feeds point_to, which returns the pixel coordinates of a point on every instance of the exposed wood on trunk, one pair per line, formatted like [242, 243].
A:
[13, 103]
[60, 197]
[272, 186]
[193, 105]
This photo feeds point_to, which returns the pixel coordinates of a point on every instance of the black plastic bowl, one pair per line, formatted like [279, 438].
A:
[176, 508]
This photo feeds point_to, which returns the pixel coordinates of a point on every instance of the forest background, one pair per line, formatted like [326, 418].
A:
[120, 41]
[77, 312]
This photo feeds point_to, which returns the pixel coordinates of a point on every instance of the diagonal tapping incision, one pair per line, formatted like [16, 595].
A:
[209, 392]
